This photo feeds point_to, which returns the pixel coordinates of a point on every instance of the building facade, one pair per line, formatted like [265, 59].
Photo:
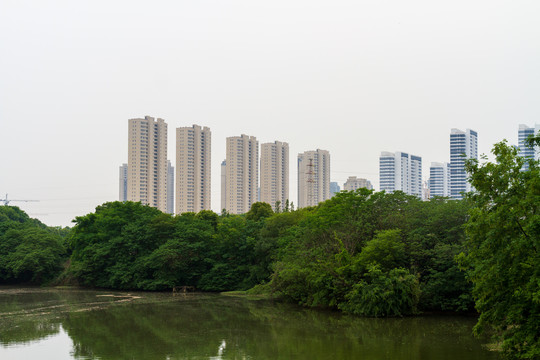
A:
[193, 169]
[147, 162]
[353, 183]
[313, 177]
[223, 184]
[400, 171]
[274, 173]
[170, 188]
[123, 183]
[439, 180]
[526, 151]
[334, 188]
[242, 173]
[463, 145]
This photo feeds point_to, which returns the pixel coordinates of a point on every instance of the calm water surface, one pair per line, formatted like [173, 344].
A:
[84, 324]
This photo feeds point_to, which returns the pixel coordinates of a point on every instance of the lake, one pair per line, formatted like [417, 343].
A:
[48, 323]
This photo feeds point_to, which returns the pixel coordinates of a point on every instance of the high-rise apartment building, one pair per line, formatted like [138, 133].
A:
[193, 171]
[313, 177]
[524, 150]
[463, 145]
[123, 182]
[400, 171]
[354, 183]
[439, 179]
[147, 162]
[170, 188]
[242, 173]
[275, 173]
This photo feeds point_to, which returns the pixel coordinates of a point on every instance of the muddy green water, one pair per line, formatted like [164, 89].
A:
[81, 324]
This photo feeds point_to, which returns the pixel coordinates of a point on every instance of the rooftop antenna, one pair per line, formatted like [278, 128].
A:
[7, 201]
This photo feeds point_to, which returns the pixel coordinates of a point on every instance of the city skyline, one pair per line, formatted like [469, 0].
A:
[354, 78]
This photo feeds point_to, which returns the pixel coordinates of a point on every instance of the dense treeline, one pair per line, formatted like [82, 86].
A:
[30, 252]
[366, 253]
[373, 254]
[376, 254]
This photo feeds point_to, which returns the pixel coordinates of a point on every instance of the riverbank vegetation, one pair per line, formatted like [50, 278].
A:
[362, 252]
[366, 253]
[30, 251]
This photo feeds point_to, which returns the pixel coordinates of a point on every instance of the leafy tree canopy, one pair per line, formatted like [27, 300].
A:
[503, 249]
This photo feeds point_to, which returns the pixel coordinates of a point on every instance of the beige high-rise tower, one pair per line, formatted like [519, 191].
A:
[275, 173]
[313, 177]
[242, 173]
[147, 162]
[193, 171]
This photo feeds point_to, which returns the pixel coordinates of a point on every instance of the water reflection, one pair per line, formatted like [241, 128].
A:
[200, 326]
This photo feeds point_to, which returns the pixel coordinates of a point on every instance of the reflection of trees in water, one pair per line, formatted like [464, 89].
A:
[349, 336]
[25, 315]
[204, 326]
[30, 314]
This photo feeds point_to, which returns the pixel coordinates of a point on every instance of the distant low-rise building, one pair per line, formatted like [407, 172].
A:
[334, 188]
[123, 182]
[526, 151]
[354, 183]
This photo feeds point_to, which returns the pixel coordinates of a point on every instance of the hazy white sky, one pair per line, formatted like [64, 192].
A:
[352, 77]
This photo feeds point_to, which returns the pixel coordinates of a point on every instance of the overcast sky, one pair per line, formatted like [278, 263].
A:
[352, 77]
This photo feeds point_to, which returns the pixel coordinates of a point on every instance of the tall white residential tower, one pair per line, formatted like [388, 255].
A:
[439, 179]
[400, 171]
[463, 145]
[275, 173]
[241, 173]
[147, 162]
[313, 177]
[193, 171]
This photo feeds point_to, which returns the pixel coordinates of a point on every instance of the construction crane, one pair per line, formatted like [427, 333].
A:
[7, 201]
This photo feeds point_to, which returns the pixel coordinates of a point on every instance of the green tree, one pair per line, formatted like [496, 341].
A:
[31, 255]
[109, 246]
[386, 249]
[259, 210]
[30, 252]
[503, 242]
